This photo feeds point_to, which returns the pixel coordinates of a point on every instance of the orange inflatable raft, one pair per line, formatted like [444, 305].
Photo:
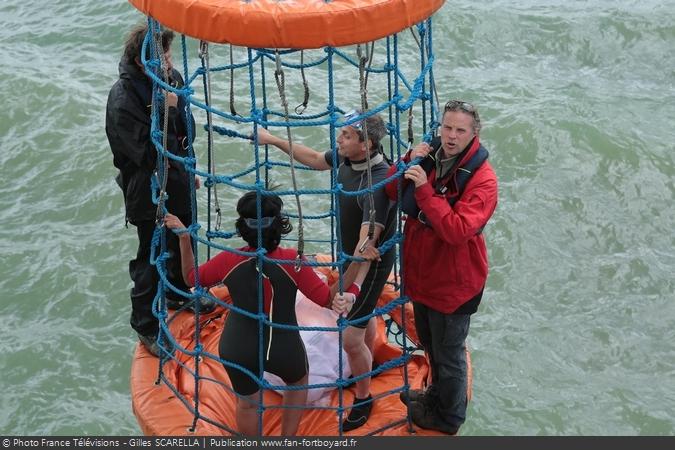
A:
[161, 412]
[288, 24]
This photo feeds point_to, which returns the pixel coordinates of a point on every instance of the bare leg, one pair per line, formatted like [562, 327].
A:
[247, 414]
[290, 419]
[371, 332]
[360, 358]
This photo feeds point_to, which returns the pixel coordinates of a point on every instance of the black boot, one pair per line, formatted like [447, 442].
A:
[359, 414]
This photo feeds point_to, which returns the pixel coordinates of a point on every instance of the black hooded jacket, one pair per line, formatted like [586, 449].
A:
[127, 126]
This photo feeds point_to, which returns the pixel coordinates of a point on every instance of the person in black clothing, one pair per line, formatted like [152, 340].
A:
[284, 351]
[128, 119]
[353, 163]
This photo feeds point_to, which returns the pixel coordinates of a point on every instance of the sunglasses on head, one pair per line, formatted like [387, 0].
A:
[454, 105]
[350, 115]
[265, 222]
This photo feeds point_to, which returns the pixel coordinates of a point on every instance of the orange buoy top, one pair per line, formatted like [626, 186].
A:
[288, 23]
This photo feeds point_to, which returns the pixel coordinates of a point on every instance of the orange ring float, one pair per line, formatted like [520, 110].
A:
[160, 412]
[288, 24]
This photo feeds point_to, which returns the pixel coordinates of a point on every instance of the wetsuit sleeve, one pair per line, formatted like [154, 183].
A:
[312, 286]
[458, 224]
[382, 204]
[214, 270]
[328, 156]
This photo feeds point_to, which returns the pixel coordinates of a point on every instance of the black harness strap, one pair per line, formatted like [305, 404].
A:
[459, 176]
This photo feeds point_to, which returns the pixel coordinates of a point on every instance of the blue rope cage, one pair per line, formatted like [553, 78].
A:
[335, 67]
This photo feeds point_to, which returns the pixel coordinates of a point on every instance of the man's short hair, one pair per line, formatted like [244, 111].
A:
[377, 130]
[134, 42]
[467, 108]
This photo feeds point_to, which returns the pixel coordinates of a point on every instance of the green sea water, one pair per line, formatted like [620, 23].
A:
[575, 335]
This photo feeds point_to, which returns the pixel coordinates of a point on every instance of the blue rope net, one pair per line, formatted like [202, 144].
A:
[334, 70]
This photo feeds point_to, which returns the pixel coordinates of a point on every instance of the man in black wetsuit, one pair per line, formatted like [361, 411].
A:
[354, 227]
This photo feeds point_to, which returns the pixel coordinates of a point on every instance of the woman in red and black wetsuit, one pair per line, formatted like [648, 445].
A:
[284, 350]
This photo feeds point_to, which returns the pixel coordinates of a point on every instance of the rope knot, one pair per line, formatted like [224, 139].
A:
[194, 227]
[199, 292]
[157, 135]
[257, 116]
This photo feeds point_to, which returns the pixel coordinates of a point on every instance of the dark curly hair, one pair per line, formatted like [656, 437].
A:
[134, 42]
[271, 207]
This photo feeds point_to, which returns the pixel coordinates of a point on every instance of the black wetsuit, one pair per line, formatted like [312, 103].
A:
[285, 355]
[355, 212]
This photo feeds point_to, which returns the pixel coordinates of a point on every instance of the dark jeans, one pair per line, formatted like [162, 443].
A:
[443, 337]
[146, 278]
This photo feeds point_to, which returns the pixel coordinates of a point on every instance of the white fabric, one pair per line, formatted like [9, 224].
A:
[321, 347]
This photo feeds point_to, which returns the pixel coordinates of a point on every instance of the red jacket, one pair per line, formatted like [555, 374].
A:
[445, 263]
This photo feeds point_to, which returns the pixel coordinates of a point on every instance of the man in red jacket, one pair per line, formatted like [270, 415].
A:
[444, 264]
